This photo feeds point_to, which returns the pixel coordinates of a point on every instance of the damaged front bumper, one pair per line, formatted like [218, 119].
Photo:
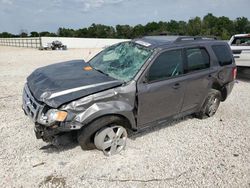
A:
[47, 134]
[54, 136]
[35, 111]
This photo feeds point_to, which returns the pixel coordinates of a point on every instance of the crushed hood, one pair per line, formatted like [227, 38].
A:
[63, 82]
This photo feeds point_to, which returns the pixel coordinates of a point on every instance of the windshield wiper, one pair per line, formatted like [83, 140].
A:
[102, 72]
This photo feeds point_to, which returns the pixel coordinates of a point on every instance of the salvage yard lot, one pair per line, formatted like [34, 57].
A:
[187, 152]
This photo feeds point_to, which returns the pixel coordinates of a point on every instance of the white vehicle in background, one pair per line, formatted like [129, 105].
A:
[240, 45]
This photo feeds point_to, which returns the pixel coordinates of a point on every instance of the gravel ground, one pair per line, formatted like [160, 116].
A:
[214, 152]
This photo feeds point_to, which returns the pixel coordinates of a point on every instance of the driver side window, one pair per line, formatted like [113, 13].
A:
[168, 64]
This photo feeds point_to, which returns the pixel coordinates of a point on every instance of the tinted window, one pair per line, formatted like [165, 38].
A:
[197, 59]
[167, 64]
[223, 54]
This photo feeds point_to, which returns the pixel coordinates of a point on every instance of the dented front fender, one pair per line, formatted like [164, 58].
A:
[116, 101]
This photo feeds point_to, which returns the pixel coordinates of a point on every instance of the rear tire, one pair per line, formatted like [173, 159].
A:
[211, 105]
[87, 133]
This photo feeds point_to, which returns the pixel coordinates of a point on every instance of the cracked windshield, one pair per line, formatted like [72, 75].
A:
[121, 61]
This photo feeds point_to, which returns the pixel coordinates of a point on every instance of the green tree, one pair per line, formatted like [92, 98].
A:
[182, 28]
[64, 32]
[152, 27]
[47, 34]
[241, 25]
[194, 26]
[138, 31]
[6, 35]
[226, 25]
[124, 31]
[81, 32]
[34, 34]
[101, 31]
[209, 25]
[163, 27]
[173, 27]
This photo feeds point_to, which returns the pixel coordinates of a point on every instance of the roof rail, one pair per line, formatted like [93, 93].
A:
[190, 38]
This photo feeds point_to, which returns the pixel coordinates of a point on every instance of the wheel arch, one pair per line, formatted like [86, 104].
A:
[127, 122]
[221, 89]
[100, 110]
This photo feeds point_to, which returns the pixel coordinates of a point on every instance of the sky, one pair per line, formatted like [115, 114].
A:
[49, 15]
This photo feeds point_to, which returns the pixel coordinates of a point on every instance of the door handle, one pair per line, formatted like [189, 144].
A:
[176, 86]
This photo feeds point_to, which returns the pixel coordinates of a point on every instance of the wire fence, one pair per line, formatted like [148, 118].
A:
[34, 42]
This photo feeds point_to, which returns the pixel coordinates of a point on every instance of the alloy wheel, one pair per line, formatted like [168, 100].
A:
[111, 140]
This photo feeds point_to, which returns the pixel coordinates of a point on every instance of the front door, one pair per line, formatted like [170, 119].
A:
[162, 94]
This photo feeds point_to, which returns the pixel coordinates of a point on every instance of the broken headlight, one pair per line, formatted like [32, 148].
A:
[54, 115]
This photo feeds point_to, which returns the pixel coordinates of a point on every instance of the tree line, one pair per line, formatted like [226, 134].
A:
[209, 25]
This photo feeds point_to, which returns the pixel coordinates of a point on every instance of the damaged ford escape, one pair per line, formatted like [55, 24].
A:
[129, 86]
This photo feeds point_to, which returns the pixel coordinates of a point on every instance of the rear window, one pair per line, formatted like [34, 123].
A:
[223, 54]
[241, 41]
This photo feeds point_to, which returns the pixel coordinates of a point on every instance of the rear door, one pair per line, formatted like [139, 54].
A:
[161, 95]
[198, 77]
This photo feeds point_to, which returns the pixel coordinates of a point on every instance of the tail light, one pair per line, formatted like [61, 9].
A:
[234, 72]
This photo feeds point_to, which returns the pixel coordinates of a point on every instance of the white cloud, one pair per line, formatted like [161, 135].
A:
[87, 5]
[78, 5]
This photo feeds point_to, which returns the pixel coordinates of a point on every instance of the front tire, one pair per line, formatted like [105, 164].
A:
[211, 104]
[87, 134]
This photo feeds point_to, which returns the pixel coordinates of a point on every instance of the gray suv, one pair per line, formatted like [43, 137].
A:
[129, 86]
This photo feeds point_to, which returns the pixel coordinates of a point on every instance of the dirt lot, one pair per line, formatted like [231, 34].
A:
[186, 153]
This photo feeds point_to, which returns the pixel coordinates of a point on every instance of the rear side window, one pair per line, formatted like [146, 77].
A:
[223, 54]
[168, 64]
[241, 41]
[197, 59]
